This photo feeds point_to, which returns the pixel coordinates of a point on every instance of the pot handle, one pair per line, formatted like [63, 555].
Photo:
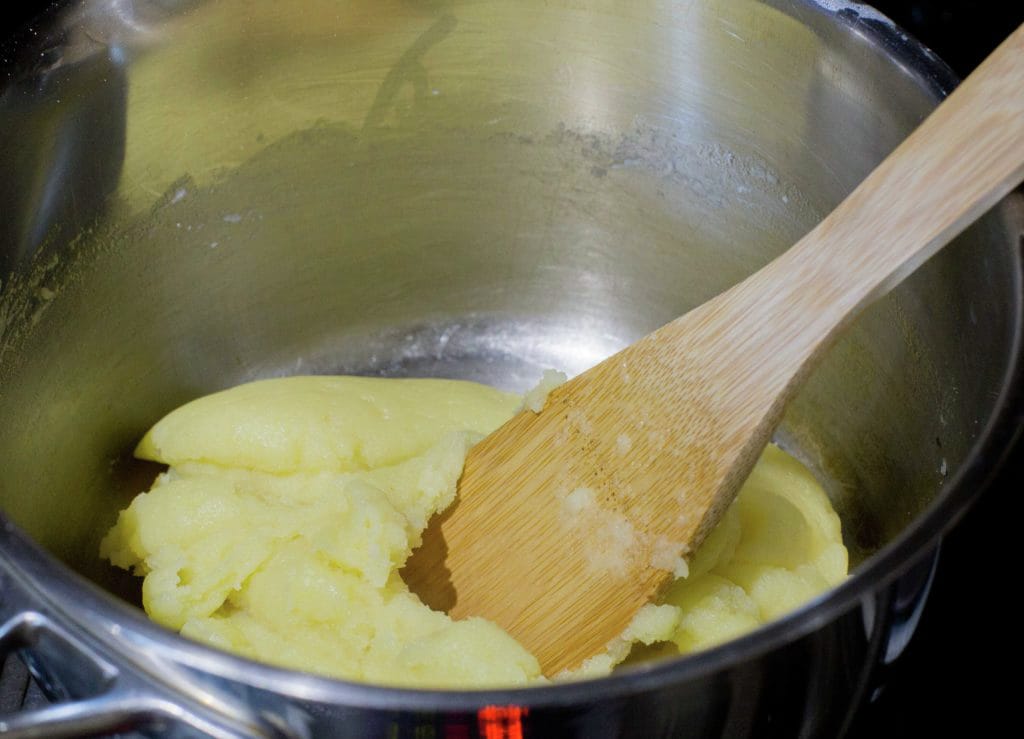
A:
[97, 695]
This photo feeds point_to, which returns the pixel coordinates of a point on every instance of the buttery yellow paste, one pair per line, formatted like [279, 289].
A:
[290, 505]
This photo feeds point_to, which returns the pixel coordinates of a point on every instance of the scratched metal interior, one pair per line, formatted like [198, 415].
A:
[455, 189]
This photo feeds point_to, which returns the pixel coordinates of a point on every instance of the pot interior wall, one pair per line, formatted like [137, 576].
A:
[467, 189]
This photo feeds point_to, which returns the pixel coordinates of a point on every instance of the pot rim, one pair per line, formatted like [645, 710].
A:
[110, 620]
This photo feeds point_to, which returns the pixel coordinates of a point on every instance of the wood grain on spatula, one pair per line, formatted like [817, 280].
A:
[570, 520]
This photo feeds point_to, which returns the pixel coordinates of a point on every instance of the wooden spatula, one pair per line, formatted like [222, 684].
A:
[571, 519]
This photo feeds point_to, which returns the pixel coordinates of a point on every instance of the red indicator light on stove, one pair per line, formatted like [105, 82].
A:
[501, 722]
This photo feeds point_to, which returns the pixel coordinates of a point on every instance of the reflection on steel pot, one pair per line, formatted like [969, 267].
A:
[200, 193]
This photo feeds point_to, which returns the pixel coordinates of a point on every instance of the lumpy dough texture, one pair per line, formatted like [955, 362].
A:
[290, 505]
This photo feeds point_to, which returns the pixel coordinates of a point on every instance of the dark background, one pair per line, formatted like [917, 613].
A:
[961, 32]
[959, 673]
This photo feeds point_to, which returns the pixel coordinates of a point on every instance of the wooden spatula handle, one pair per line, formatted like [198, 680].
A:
[765, 333]
[751, 347]
[964, 158]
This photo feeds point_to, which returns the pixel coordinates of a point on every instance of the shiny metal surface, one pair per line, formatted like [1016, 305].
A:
[205, 192]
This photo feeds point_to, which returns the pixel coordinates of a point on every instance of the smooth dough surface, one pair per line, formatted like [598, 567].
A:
[289, 506]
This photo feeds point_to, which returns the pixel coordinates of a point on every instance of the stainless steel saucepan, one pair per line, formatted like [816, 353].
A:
[198, 193]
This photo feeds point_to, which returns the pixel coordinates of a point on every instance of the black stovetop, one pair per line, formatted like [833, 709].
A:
[945, 683]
